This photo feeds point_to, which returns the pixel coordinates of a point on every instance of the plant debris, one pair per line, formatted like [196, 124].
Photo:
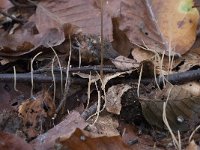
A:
[96, 74]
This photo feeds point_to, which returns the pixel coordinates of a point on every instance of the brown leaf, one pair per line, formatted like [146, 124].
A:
[5, 4]
[124, 63]
[131, 137]
[188, 61]
[24, 40]
[4, 98]
[41, 30]
[46, 22]
[158, 24]
[192, 146]
[182, 109]
[88, 141]
[32, 111]
[162, 66]
[83, 14]
[66, 127]
[106, 125]
[113, 97]
[12, 142]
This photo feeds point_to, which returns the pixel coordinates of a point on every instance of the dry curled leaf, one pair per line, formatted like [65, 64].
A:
[113, 97]
[124, 63]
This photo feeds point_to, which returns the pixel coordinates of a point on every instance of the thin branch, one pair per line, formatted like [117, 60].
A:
[102, 48]
[90, 111]
[13, 18]
[18, 4]
[85, 69]
[67, 81]
[176, 79]
[39, 78]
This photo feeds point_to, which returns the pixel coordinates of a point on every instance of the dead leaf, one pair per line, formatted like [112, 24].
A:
[182, 109]
[156, 24]
[120, 42]
[188, 61]
[5, 4]
[105, 79]
[66, 127]
[4, 98]
[124, 63]
[106, 125]
[113, 98]
[30, 35]
[12, 142]
[87, 48]
[24, 40]
[50, 25]
[88, 141]
[192, 146]
[131, 137]
[33, 113]
[83, 14]
[141, 55]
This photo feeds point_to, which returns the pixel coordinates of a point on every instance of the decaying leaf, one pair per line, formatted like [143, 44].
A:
[182, 109]
[141, 55]
[83, 14]
[87, 48]
[87, 141]
[124, 63]
[34, 112]
[157, 25]
[12, 142]
[4, 99]
[48, 25]
[160, 65]
[4, 4]
[106, 125]
[137, 142]
[188, 61]
[66, 127]
[141, 21]
[40, 30]
[25, 40]
[113, 97]
[105, 79]
[192, 146]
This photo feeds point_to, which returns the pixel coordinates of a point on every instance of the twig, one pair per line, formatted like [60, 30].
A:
[13, 18]
[102, 48]
[17, 4]
[183, 77]
[177, 78]
[67, 81]
[85, 69]
[39, 78]
[89, 112]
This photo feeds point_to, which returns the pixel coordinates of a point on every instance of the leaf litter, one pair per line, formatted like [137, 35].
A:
[147, 45]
